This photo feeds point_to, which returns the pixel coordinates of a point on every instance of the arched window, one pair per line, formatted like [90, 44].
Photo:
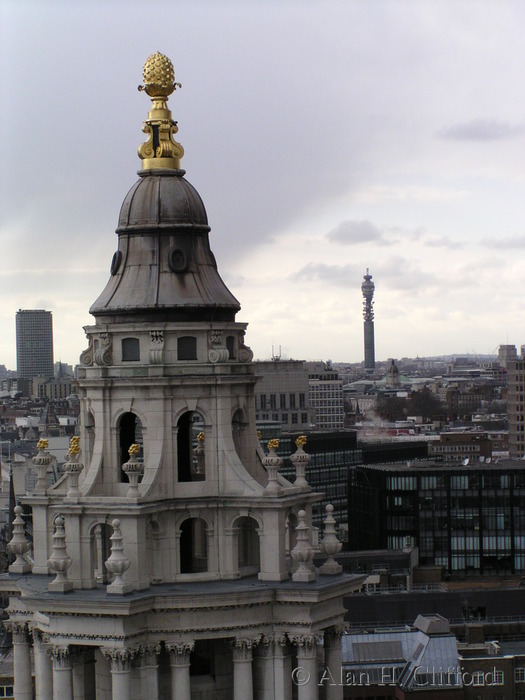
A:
[190, 465]
[130, 350]
[187, 348]
[193, 546]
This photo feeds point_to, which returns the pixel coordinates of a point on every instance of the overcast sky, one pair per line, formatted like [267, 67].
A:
[324, 138]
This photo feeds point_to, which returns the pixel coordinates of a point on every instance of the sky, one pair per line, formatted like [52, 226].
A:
[324, 137]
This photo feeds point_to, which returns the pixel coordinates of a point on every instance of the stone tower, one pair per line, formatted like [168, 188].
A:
[182, 559]
[368, 288]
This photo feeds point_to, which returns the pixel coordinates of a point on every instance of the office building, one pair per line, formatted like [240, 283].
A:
[34, 344]
[325, 389]
[467, 519]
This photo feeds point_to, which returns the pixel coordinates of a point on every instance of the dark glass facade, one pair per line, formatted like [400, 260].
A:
[467, 519]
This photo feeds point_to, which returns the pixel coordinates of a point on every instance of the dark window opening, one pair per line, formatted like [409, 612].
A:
[193, 546]
[230, 345]
[190, 463]
[130, 350]
[187, 348]
[130, 432]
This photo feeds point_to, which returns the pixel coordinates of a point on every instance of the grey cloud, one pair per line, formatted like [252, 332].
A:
[351, 232]
[339, 275]
[482, 130]
[442, 242]
[508, 243]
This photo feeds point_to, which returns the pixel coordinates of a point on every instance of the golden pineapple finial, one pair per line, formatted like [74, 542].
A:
[160, 150]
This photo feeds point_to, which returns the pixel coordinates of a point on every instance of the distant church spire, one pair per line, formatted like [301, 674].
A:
[368, 288]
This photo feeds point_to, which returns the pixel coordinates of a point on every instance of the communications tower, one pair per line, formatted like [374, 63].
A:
[368, 288]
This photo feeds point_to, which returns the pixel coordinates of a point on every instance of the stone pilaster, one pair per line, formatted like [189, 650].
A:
[242, 649]
[333, 659]
[121, 663]
[149, 671]
[273, 669]
[62, 672]
[43, 667]
[180, 669]
[23, 685]
[305, 675]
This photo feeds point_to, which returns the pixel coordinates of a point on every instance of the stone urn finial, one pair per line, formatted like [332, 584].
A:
[117, 564]
[42, 461]
[134, 470]
[300, 459]
[59, 561]
[330, 545]
[303, 552]
[272, 463]
[73, 467]
[18, 545]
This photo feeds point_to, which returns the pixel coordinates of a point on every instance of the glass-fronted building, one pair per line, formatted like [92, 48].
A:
[469, 519]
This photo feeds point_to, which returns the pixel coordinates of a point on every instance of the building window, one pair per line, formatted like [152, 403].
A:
[187, 348]
[273, 401]
[294, 418]
[230, 345]
[292, 400]
[302, 400]
[304, 417]
[130, 350]
[282, 398]
[263, 402]
[519, 675]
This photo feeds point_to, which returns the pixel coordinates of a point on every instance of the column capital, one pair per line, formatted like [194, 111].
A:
[273, 645]
[61, 656]
[180, 651]
[18, 629]
[306, 644]
[242, 647]
[120, 658]
[332, 635]
[40, 639]
[148, 653]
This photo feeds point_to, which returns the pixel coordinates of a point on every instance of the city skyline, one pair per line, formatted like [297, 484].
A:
[371, 135]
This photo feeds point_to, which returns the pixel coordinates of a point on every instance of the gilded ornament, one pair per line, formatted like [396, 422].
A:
[273, 444]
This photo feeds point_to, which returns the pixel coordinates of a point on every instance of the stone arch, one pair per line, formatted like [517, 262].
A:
[248, 543]
[190, 465]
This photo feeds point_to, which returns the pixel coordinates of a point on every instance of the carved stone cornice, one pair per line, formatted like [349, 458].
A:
[180, 652]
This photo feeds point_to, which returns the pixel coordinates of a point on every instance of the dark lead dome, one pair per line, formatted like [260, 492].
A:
[162, 199]
[164, 269]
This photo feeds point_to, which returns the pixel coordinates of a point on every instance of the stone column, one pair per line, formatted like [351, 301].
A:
[62, 673]
[43, 668]
[23, 685]
[242, 667]
[305, 675]
[333, 659]
[180, 669]
[120, 660]
[149, 673]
